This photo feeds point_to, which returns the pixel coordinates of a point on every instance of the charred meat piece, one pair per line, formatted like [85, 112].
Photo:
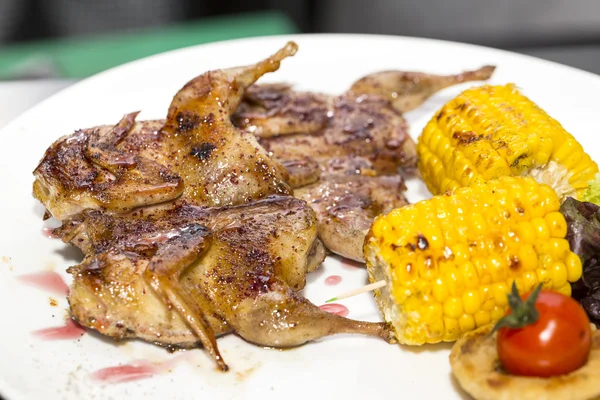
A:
[344, 153]
[346, 126]
[196, 153]
[150, 272]
[92, 170]
[346, 202]
[302, 172]
[275, 109]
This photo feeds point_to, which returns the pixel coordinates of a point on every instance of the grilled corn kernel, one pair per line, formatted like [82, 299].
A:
[452, 329]
[541, 229]
[466, 323]
[493, 131]
[459, 286]
[574, 267]
[557, 224]
[527, 258]
[565, 289]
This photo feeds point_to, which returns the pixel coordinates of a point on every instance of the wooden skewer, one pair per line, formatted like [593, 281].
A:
[364, 289]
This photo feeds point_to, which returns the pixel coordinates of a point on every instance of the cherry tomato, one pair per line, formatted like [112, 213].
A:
[559, 341]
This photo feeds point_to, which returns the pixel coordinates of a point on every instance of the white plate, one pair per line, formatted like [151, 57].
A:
[341, 367]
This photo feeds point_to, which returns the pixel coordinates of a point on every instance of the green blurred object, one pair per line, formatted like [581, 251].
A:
[80, 58]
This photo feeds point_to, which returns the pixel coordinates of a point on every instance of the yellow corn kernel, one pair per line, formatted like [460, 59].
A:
[530, 281]
[456, 282]
[426, 266]
[433, 237]
[482, 317]
[544, 276]
[557, 248]
[497, 313]
[477, 226]
[574, 267]
[440, 290]
[461, 252]
[541, 228]
[453, 307]
[471, 301]
[500, 291]
[526, 232]
[527, 258]
[466, 323]
[436, 331]
[558, 272]
[452, 329]
[468, 271]
[565, 289]
[497, 269]
[432, 312]
[556, 224]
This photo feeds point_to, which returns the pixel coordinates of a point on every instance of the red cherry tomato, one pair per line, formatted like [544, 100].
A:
[559, 342]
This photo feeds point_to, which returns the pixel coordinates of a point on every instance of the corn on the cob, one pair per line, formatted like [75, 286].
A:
[450, 261]
[492, 131]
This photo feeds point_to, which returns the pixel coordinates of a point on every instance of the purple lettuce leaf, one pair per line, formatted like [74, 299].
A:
[583, 234]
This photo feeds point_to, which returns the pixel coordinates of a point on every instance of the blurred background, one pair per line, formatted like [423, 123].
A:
[66, 40]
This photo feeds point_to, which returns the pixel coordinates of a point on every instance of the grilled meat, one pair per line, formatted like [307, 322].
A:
[346, 206]
[336, 127]
[343, 152]
[150, 272]
[408, 90]
[275, 109]
[188, 227]
[130, 165]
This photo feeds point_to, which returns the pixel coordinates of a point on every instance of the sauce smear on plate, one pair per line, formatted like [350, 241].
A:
[351, 264]
[71, 330]
[334, 308]
[333, 280]
[47, 280]
[126, 373]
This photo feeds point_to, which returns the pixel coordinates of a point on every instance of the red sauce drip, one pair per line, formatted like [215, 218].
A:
[71, 330]
[333, 280]
[336, 309]
[47, 280]
[48, 233]
[351, 264]
[126, 373]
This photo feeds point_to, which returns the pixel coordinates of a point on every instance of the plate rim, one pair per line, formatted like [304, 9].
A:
[9, 392]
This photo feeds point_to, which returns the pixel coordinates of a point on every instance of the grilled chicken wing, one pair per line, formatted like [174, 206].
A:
[233, 268]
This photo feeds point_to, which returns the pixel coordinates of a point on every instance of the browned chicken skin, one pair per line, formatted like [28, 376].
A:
[335, 127]
[343, 153]
[237, 268]
[188, 227]
[94, 169]
[408, 90]
[346, 199]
